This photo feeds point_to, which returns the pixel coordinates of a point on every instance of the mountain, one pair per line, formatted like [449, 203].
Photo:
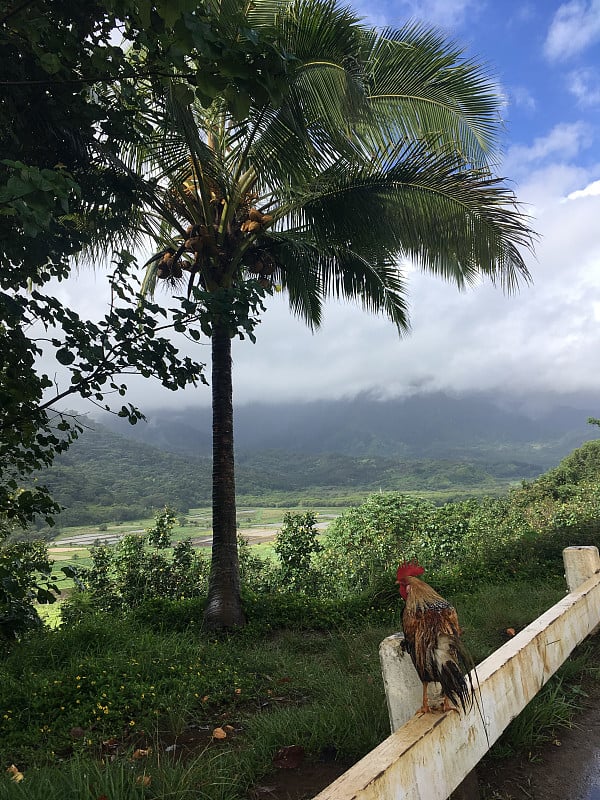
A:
[319, 453]
[104, 476]
[474, 428]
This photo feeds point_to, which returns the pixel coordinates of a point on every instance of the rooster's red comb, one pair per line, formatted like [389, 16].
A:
[409, 569]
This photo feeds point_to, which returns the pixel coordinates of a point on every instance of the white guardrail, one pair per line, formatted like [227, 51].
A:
[427, 757]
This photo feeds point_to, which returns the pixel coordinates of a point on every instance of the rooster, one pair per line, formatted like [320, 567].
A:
[432, 638]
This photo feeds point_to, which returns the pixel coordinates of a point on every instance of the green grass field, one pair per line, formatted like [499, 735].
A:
[132, 685]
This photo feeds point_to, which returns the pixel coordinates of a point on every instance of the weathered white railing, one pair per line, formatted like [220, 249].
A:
[427, 757]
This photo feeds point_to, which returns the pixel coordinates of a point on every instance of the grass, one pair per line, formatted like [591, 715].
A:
[486, 614]
[145, 688]
[198, 521]
[76, 703]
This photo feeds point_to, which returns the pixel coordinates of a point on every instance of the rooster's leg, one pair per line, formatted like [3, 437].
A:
[425, 707]
[447, 706]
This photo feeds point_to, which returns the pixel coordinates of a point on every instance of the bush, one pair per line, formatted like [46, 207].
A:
[163, 614]
[364, 545]
[139, 568]
[444, 534]
[295, 545]
[256, 573]
[302, 612]
[520, 536]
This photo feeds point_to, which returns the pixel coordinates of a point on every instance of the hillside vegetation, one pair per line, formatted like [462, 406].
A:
[469, 427]
[107, 477]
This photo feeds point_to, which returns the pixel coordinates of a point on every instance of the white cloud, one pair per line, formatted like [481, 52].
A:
[446, 13]
[591, 190]
[564, 142]
[574, 27]
[584, 84]
[523, 98]
[545, 338]
[449, 14]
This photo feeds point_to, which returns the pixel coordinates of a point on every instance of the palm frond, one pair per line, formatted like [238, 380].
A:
[310, 272]
[422, 86]
[263, 14]
[428, 206]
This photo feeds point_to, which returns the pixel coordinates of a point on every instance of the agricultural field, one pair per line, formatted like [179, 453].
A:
[259, 526]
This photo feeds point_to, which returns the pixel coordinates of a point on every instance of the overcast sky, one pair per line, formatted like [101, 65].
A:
[546, 58]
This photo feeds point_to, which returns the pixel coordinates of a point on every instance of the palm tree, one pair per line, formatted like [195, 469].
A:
[381, 151]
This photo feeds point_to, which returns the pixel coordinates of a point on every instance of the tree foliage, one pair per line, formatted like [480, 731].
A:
[68, 99]
[138, 568]
[295, 545]
[518, 536]
[381, 149]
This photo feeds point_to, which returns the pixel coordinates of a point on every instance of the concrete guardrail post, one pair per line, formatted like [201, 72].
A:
[581, 564]
[404, 694]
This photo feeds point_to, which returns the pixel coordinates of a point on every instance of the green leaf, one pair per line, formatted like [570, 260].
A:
[50, 62]
[183, 93]
[64, 356]
[170, 11]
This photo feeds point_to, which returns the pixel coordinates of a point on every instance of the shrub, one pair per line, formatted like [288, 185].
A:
[443, 536]
[295, 545]
[164, 614]
[256, 573]
[364, 545]
[139, 568]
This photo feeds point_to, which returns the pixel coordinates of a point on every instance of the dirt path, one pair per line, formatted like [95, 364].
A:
[566, 769]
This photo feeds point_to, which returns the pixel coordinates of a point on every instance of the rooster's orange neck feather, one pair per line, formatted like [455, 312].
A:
[421, 594]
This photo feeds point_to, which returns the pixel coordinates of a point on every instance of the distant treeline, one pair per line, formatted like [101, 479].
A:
[105, 477]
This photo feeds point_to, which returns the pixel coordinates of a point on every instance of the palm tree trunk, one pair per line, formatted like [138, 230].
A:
[224, 606]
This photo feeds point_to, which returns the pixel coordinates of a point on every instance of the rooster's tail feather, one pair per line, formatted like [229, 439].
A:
[457, 687]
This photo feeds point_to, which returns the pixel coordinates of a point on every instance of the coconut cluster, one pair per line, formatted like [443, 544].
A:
[199, 248]
[255, 221]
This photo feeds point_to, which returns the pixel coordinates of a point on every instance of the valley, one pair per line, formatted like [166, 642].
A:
[320, 454]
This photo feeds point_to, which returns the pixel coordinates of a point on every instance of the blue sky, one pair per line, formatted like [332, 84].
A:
[545, 56]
